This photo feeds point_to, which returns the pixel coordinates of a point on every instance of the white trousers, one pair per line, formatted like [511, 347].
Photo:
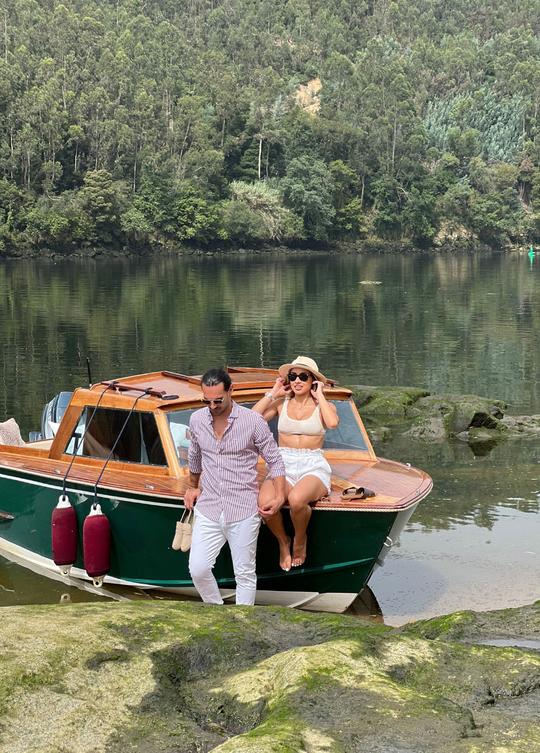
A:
[207, 542]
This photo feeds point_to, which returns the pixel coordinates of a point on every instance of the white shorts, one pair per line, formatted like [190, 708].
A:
[302, 463]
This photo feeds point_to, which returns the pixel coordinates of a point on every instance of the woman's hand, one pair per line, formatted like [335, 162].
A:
[281, 388]
[317, 389]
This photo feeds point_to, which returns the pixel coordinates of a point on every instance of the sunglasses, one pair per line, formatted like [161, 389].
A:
[303, 376]
[218, 401]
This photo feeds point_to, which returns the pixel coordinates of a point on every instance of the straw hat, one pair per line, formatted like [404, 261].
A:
[302, 362]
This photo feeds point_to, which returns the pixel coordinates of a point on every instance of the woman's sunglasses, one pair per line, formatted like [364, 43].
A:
[302, 376]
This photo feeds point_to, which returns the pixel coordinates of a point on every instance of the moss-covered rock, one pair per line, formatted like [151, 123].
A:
[181, 677]
[434, 418]
[386, 401]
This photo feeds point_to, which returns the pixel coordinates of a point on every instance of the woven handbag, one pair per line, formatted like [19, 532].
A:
[183, 533]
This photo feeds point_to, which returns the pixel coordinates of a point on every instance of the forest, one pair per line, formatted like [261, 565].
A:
[169, 123]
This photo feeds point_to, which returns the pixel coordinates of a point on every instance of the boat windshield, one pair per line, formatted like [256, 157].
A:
[347, 435]
[136, 441]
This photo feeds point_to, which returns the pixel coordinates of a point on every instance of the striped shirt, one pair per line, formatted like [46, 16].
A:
[228, 466]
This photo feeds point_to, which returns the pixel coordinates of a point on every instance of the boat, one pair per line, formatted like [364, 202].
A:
[123, 444]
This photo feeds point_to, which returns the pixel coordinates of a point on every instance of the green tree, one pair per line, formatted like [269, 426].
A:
[307, 190]
[100, 199]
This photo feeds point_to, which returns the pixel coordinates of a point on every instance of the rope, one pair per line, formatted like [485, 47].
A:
[109, 456]
[83, 436]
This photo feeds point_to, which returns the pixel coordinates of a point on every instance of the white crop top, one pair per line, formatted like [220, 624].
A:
[311, 426]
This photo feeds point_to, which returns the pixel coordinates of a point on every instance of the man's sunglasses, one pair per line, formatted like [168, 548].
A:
[218, 401]
[302, 376]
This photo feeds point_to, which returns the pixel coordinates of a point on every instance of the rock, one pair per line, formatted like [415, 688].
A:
[460, 412]
[149, 677]
[386, 401]
[428, 429]
[471, 418]
[521, 426]
[379, 433]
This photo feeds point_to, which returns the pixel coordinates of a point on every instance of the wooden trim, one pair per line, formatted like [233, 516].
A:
[184, 377]
[174, 467]
[66, 429]
[363, 429]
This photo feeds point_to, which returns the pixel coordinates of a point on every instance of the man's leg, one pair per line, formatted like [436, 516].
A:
[242, 538]
[208, 538]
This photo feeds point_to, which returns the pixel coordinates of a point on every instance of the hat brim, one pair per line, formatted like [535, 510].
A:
[284, 370]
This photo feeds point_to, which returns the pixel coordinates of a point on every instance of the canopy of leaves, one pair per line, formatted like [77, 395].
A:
[162, 121]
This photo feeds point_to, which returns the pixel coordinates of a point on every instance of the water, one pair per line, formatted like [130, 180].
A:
[457, 324]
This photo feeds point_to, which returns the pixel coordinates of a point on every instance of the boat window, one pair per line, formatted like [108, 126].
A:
[179, 423]
[347, 436]
[139, 441]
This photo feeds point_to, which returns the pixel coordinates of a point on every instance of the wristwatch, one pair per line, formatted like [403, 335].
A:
[269, 396]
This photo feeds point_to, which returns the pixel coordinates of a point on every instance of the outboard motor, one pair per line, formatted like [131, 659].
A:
[52, 414]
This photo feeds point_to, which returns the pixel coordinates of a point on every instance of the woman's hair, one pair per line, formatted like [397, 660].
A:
[213, 377]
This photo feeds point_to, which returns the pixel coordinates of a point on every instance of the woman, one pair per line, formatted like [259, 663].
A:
[304, 415]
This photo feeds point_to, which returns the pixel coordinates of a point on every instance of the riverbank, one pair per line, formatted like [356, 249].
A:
[176, 676]
[360, 246]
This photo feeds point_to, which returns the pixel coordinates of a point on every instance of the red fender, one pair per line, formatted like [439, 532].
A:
[64, 534]
[96, 544]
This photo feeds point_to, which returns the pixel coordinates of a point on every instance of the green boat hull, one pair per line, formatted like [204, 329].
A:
[343, 545]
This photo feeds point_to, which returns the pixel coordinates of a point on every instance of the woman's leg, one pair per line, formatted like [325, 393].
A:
[275, 524]
[307, 490]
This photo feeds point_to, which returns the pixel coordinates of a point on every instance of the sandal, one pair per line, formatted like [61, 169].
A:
[357, 492]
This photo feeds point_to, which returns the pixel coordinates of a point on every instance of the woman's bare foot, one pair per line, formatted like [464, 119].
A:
[285, 559]
[299, 552]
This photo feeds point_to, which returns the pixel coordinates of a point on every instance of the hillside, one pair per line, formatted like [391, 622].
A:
[233, 121]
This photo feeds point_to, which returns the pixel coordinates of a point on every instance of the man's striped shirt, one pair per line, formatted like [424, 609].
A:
[228, 465]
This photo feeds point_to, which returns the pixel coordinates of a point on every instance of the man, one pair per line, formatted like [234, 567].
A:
[226, 441]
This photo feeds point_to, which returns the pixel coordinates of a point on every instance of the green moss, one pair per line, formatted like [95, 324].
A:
[172, 676]
[449, 626]
[386, 401]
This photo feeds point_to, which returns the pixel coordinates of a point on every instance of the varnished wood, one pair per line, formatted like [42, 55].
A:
[396, 485]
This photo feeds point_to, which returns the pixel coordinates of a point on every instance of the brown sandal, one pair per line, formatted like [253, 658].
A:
[357, 492]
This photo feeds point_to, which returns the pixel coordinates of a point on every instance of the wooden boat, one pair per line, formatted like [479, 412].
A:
[140, 490]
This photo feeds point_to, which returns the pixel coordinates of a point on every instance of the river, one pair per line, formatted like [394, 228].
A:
[449, 323]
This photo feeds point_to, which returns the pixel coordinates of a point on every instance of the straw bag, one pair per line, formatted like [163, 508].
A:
[184, 530]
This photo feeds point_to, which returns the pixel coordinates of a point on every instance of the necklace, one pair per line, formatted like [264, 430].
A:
[301, 406]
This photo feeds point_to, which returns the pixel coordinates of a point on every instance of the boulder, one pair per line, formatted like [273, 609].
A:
[435, 418]
[386, 401]
[184, 677]
[430, 429]
[521, 426]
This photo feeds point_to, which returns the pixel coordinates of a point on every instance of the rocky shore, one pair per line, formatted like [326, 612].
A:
[182, 677]
[418, 414]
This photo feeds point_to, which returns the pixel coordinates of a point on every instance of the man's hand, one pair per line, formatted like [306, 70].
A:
[271, 507]
[191, 496]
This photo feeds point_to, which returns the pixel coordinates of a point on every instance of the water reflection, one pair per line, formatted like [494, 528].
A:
[455, 324]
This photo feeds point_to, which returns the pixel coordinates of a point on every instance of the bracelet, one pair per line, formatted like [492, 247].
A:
[269, 396]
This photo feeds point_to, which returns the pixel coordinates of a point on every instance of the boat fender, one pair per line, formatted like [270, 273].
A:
[64, 534]
[96, 544]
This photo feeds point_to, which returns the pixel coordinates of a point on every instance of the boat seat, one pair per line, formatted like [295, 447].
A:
[10, 434]
[41, 444]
